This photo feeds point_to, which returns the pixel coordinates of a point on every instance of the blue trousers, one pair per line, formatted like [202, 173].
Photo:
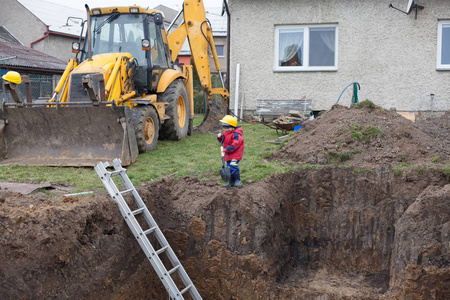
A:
[233, 165]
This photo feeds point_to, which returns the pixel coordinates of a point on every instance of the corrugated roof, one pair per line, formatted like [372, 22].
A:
[20, 57]
[55, 15]
[218, 22]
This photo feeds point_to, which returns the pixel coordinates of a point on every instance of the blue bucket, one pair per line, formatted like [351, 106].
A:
[297, 127]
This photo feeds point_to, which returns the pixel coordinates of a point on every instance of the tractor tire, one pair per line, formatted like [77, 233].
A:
[175, 128]
[146, 127]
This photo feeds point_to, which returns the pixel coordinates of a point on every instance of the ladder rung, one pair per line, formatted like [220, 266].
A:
[150, 230]
[162, 250]
[138, 211]
[126, 191]
[115, 173]
[186, 289]
[174, 269]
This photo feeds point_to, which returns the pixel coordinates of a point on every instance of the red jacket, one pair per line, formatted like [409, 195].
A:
[233, 144]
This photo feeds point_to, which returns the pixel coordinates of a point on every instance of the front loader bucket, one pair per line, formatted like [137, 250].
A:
[66, 136]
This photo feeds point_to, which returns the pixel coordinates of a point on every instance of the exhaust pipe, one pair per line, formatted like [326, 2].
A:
[89, 32]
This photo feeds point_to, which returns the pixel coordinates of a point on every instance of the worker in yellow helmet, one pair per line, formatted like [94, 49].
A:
[12, 76]
[233, 144]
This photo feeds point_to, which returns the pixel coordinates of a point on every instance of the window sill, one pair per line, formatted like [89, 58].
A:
[294, 69]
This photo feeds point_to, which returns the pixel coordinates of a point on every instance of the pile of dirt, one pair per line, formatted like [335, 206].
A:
[437, 127]
[368, 136]
[211, 122]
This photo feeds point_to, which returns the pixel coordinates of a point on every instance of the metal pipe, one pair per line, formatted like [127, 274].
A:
[242, 106]
[6, 58]
[78, 194]
[236, 92]
[337, 101]
[89, 32]
[53, 104]
[221, 79]
[228, 45]
[47, 32]
[392, 6]
[174, 20]
[432, 100]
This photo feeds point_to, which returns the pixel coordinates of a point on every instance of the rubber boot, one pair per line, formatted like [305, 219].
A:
[237, 178]
[230, 183]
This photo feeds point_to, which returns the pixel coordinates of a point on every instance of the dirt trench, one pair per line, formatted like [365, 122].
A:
[330, 233]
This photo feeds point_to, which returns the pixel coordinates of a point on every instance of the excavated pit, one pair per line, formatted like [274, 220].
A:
[330, 233]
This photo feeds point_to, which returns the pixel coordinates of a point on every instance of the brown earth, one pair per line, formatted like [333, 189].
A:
[211, 123]
[346, 131]
[377, 226]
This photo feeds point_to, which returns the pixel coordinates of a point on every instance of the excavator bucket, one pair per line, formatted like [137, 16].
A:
[66, 136]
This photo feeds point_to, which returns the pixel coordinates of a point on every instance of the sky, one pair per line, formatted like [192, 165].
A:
[175, 4]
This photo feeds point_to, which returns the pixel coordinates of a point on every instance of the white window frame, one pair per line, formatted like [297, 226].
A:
[305, 66]
[223, 50]
[440, 66]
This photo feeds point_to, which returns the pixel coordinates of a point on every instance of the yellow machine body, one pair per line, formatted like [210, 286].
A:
[120, 96]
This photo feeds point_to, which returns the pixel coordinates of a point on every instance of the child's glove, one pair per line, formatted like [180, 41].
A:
[220, 137]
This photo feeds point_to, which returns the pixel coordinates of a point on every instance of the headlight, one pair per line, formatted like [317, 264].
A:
[96, 12]
[145, 44]
[134, 10]
[75, 46]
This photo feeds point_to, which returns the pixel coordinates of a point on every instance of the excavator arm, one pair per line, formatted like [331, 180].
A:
[200, 36]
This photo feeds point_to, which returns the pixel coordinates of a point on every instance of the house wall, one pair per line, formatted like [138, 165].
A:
[57, 46]
[220, 40]
[184, 59]
[392, 55]
[25, 26]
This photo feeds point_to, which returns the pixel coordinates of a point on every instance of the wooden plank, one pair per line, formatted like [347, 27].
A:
[409, 115]
[280, 107]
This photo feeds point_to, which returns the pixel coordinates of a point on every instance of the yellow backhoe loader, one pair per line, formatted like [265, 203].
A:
[121, 95]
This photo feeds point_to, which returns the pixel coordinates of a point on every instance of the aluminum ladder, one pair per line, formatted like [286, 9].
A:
[141, 234]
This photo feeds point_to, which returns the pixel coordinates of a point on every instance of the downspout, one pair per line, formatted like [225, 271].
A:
[47, 32]
[228, 47]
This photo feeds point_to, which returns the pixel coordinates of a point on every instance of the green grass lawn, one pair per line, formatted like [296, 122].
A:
[196, 156]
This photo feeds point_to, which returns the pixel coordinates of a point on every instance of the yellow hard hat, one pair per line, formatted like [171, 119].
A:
[230, 120]
[13, 77]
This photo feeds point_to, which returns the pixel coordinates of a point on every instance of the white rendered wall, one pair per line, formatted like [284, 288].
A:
[392, 55]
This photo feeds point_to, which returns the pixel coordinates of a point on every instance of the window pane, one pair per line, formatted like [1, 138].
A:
[100, 35]
[322, 46]
[290, 47]
[445, 51]
[220, 50]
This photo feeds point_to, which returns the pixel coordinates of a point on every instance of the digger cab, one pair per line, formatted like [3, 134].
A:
[133, 30]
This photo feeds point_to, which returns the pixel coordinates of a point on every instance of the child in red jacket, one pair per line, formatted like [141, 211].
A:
[233, 144]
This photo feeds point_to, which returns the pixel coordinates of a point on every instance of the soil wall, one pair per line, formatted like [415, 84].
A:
[334, 233]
